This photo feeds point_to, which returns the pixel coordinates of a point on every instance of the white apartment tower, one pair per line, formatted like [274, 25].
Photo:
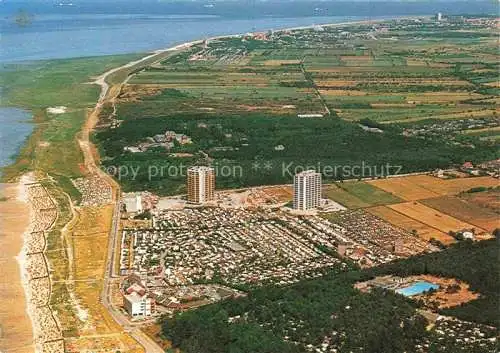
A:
[200, 184]
[306, 190]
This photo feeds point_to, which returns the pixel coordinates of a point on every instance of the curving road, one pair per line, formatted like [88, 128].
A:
[109, 92]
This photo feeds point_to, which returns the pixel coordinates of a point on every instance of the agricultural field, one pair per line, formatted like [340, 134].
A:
[489, 199]
[337, 194]
[432, 217]
[404, 92]
[424, 231]
[455, 186]
[369, 193]
[385, 73]
[425, 205]
[420, 187]
[405, 188]
[358, 194]
[480, 217]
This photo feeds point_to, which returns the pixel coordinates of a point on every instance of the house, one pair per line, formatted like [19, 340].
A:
[160, 138]
[467, 165]
[467, 234]
[170, 135]
[136, 288]
[183, 139]
[132, 149]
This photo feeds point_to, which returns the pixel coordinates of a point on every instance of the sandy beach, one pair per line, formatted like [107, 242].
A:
[16, 334]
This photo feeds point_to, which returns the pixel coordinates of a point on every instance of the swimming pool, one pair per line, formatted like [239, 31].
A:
[417, 288]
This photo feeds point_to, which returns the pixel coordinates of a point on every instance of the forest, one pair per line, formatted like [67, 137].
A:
[248, 139]
[287, 319]
[474, 263]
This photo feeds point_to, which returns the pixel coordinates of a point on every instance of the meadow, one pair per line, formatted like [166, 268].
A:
[358, 194]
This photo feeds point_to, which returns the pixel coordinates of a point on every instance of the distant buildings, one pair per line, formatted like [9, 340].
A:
[306, 190]
[439, 16]
[200, 184]
[167, 140]
[309, 115]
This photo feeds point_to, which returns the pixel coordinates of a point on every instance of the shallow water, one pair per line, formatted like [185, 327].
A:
[15, 127]
[51, 36]
[65, 36]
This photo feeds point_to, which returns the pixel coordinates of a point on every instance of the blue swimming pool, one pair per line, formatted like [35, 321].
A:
[417, 288]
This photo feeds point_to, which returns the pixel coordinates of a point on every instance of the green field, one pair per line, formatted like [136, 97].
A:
[369, 193]
[336, 193]
[66, 82]
[358, 195]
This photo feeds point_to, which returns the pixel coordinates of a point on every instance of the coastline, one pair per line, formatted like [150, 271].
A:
[101, 79]
[21, 206]
[15, 320]
[38, 213]
[17, 126]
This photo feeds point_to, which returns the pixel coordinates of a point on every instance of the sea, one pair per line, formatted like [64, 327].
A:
[54, 29]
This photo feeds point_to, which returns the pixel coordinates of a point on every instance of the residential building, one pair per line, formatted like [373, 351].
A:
[200, 184]
[170, 135]
[133, 203]
[306, 190]
[136, 300]
[138, 305]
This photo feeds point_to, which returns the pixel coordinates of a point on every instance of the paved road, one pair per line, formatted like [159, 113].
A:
[108, 94]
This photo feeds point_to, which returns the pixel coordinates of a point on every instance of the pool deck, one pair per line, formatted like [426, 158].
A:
[406, 286]
[417, 288]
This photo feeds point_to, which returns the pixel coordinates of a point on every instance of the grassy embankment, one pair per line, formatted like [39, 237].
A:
[52, 152]
[52, 148]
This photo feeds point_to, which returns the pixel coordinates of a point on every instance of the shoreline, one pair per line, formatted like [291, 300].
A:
[33, 264]
[19, 124]
[100, 80]
[17, 321]
[346, 20]
[104, 85]
[21, 259]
